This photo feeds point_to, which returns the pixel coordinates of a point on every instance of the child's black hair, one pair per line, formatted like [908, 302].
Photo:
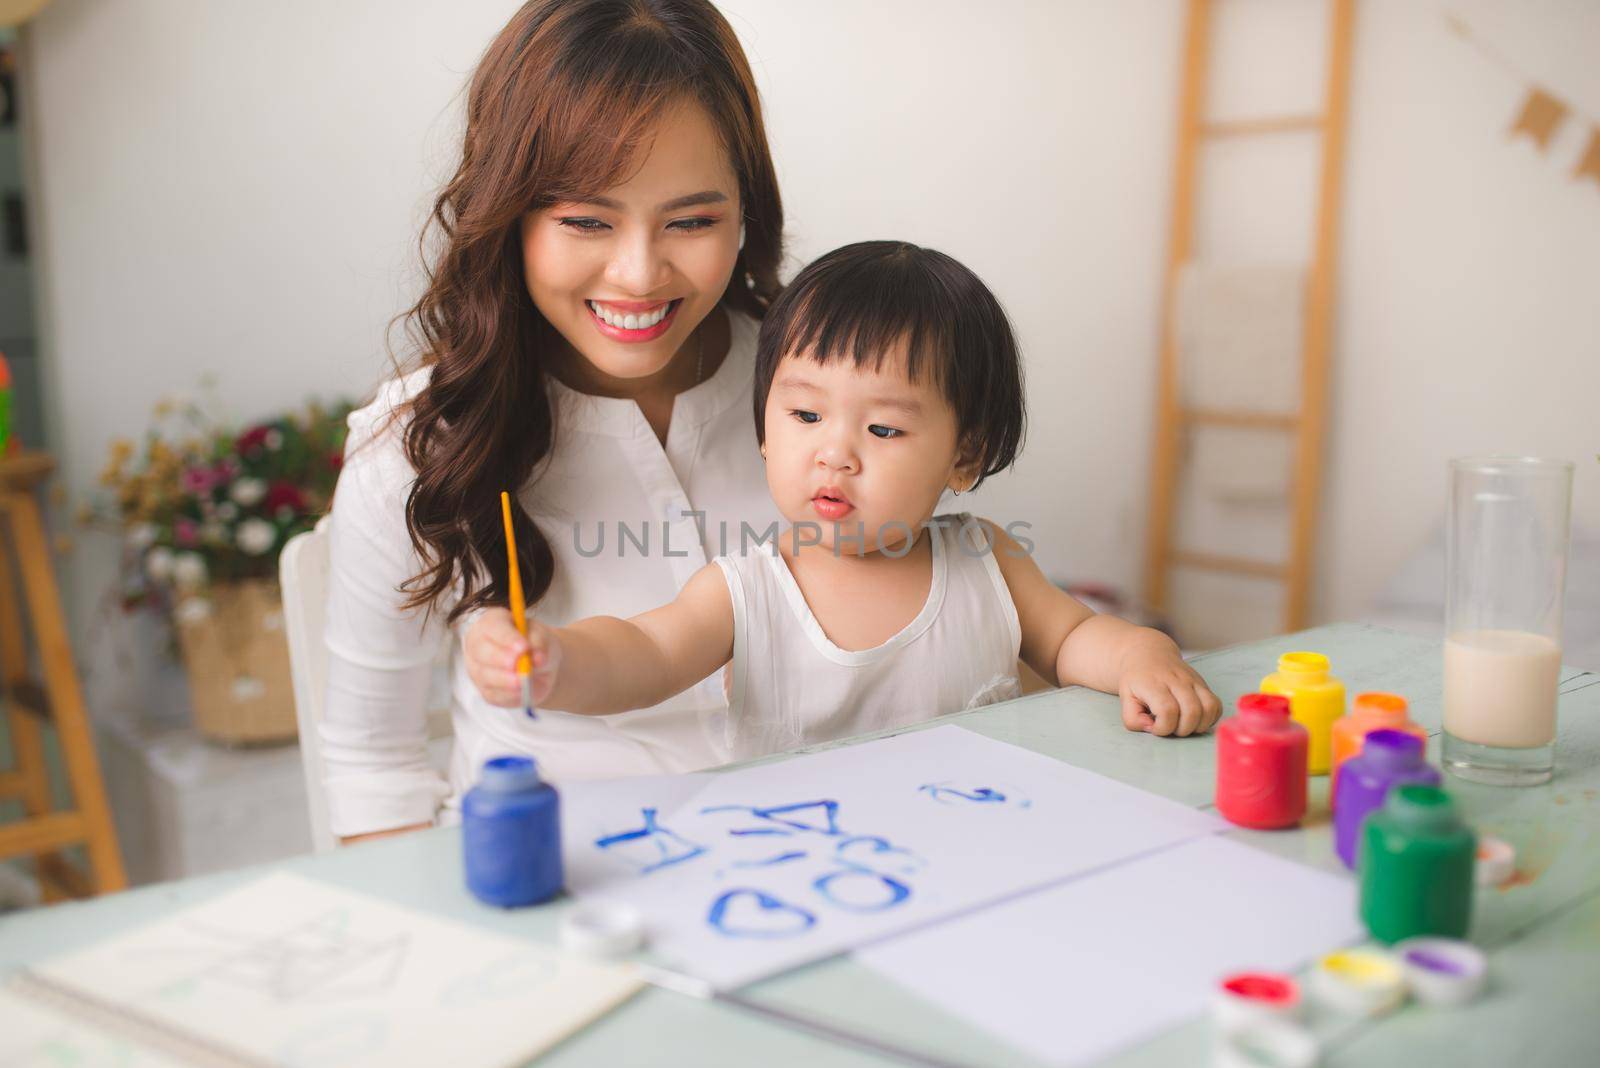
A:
[859, 301]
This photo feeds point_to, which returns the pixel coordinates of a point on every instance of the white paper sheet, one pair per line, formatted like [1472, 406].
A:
[33, 1035]
[299, 972]
[776, 865]
[591, 811]
[1074, 972]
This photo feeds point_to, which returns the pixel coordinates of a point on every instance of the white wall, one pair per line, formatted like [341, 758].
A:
[1033, 147]
[1469, 307]
[229, 190]
[234, 190]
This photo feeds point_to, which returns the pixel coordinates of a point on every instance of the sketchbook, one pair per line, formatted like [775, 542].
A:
[292, 971]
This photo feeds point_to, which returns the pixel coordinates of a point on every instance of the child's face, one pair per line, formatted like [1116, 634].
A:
[862, 454]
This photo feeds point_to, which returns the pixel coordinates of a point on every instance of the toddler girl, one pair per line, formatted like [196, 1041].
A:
[886, 374]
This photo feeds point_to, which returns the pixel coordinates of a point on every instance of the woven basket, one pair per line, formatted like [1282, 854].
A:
[236, 655]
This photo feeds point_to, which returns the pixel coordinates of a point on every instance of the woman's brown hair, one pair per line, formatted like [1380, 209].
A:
[559, 73]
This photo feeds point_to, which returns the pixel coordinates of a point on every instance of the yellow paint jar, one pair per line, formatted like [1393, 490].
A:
[1316, 700]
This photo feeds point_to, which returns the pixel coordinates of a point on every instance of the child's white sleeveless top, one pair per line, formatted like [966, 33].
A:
[791, 686]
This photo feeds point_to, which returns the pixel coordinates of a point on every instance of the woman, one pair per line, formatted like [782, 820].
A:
[586, 340]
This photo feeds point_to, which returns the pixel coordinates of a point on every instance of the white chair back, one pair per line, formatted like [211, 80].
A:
[303, 574]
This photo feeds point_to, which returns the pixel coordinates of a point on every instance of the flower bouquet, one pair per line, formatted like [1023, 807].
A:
[205, 510]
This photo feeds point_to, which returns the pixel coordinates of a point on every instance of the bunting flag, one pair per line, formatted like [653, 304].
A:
[1541, 115]
[1589, 165]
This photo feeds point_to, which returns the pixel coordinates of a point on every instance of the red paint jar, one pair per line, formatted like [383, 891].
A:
[1245, 999]
[1261, 764]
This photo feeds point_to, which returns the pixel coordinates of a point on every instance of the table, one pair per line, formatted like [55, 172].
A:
[1542, 932]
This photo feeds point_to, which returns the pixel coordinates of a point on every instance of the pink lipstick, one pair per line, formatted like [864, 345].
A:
[617, 309]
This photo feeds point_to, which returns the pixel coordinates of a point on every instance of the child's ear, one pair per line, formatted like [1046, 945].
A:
[965, 474]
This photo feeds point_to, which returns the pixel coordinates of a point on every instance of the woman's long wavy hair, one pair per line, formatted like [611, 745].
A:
[557, 109]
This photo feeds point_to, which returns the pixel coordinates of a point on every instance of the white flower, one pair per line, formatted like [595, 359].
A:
[256, 536]
[189, 571]
[227, 511]
[274, 440]
[158, 563]
[141, 536]
[248, 491]
[247, 688]
[193, 610]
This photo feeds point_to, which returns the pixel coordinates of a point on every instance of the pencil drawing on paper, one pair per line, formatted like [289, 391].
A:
[316, 960]
[513, 975]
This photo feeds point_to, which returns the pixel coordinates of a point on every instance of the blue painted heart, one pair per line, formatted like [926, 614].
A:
[746, 913]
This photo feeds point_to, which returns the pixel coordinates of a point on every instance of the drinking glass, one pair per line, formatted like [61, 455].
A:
[1505, 575]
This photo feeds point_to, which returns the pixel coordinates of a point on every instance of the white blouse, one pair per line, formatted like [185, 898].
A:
[628, 521]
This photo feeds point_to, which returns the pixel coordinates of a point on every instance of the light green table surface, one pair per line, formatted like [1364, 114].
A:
[1542, 933]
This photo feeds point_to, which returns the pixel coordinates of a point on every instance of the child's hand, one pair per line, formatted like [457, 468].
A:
[1162, 695]
[492, 646]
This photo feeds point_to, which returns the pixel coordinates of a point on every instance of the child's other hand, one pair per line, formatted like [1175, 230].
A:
[492, 646]
[1162, 695]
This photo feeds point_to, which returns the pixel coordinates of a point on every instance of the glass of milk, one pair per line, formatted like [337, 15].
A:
[1505, 575]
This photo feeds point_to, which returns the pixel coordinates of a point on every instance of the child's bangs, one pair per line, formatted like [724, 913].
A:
[868, 302]
[867, 315]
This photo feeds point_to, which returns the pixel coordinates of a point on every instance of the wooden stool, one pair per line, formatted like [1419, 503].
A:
[43, 832]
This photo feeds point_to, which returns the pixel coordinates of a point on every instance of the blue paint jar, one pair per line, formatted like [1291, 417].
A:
[511, 834]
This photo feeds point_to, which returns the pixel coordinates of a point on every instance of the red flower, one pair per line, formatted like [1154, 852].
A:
[198, 480]
[283, 495]
[336, 461]
[252, 440]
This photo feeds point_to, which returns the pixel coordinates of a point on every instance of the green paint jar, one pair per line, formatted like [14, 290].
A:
[1416, 866]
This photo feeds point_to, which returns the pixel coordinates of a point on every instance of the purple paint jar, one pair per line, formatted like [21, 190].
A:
[1388, 759]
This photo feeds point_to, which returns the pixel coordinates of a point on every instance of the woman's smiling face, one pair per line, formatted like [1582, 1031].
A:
[628, 275]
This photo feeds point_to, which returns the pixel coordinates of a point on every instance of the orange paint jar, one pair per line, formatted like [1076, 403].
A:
[1369, 712]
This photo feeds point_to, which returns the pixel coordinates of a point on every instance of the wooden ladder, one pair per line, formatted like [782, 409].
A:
[44, 832]
[1173, 417]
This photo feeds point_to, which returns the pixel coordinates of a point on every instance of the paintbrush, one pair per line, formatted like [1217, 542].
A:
[519, 609]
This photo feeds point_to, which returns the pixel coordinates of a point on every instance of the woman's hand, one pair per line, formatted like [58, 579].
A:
[1162, 695]
[492, 646]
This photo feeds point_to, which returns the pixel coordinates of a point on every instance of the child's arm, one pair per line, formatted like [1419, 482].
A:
[603, 664]
[1067, 643]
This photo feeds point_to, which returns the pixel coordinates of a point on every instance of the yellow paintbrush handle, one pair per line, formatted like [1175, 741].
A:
[519, 608]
